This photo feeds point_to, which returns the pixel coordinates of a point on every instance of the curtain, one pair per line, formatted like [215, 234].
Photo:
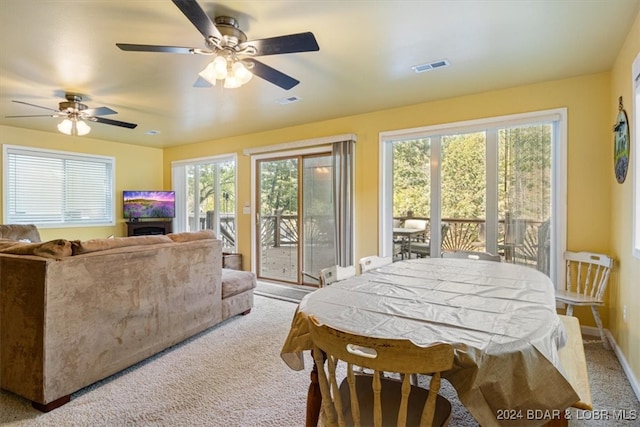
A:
[343, 203]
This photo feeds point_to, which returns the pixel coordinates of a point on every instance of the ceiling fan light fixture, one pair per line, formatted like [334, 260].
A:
[82, 128]
[232, 82]
[241, 72]
[220, 67]
[209, 73]
[74, 127]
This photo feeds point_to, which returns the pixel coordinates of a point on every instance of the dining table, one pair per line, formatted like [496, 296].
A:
[499, 317]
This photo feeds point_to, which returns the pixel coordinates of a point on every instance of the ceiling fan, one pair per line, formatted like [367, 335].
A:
[75, 113]
[234, 56]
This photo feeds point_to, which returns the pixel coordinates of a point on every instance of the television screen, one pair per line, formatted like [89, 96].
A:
[149, 204]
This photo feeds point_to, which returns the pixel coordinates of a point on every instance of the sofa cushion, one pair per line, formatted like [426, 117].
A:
[96, 245]
[25, 232]
[235, 282]
[58, 248]
[192, 235]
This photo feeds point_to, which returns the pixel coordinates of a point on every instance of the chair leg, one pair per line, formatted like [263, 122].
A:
[569, 310]
[596, 316]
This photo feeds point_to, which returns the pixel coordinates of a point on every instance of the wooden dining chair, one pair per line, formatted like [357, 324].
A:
[335, 273]
[370, 262]
[587, 276]
[372, 399]
[472, 255]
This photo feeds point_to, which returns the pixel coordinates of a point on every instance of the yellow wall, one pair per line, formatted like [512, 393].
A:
[136, 168]
[586, 98]
[625, 290]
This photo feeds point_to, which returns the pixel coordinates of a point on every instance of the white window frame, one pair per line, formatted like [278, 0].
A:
[179, 183]
[634, 154]
[110, 162]
[558, 175]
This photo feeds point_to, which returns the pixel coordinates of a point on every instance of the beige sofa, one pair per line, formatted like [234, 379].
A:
[72, 313]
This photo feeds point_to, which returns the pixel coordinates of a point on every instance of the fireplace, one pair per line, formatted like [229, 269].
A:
[145, 228]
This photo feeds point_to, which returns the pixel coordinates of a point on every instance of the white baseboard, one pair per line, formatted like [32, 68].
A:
[592, 331]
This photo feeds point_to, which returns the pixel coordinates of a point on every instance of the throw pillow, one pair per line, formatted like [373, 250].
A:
[96, 245]
[58, 248]
[192, 235]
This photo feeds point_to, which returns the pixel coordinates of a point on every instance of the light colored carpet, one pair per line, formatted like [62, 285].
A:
[291, 293]
[232, 375]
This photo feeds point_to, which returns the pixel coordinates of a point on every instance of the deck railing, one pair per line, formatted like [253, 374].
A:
[522, 241]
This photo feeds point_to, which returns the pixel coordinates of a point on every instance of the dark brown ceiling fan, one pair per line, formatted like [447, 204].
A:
[75, 113]
[234, 55]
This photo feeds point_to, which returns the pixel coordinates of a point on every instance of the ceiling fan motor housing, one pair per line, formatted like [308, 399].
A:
[73, 104]
[231, 32]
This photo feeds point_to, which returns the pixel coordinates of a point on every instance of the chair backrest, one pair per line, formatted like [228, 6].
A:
[544, 247]
[472, 255]
[370, 262]
[335, 273]
[587, 273]
[515, 230]
[418, 224]
[20, 232]
[380, 355]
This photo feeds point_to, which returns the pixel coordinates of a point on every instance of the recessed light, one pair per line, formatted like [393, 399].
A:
[289, 100]
[431, 66]
[152, 132]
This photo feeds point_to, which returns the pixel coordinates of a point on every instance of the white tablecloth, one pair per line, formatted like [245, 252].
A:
[499, 317]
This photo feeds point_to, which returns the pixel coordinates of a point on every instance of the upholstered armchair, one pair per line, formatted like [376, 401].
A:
[24, 232]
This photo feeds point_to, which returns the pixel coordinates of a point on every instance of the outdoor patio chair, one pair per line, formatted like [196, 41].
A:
[423, 249]
[417, 224]
[373, 399]
[587, 276]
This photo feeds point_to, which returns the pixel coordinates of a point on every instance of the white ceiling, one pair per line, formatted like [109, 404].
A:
[367, 49]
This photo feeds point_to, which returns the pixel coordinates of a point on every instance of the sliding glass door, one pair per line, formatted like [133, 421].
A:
[295, 218]
[492, 188]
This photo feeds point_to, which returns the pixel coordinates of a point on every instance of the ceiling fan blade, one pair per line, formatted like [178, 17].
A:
[192, 10]
[152, 48]
[112, 122]
[271, 74]
[100, 111]
[302, 42]
[200, 82]
[37, 115]
[34, 105]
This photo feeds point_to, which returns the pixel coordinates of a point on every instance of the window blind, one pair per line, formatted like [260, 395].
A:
[57, 189]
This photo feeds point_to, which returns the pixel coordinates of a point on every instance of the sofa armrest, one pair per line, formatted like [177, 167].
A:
[20, 232]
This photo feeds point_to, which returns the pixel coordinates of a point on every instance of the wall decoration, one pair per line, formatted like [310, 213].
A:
[621, 144]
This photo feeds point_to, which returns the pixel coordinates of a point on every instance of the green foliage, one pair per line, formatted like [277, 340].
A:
[524, 174]
[206, 180]
[411, 177]
[279, 186]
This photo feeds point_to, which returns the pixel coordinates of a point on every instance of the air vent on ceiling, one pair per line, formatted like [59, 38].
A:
[430, 66]
[288, 100]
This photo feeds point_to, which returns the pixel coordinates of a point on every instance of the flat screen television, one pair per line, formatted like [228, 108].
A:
[149, 204]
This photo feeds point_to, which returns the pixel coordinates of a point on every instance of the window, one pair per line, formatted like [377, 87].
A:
[635, 150]
[57, 189]
[206, 197]
[493, 185]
